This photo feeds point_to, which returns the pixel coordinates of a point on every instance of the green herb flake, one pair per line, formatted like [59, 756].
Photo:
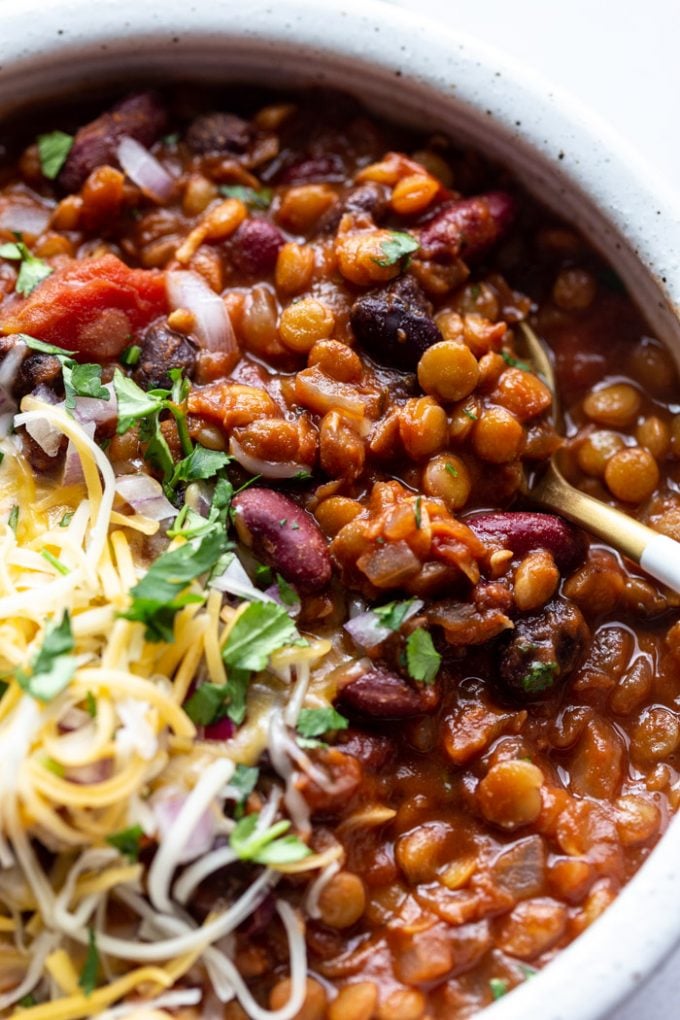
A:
[13, 519]
[2, 456]
[397, 248]
[170, 139]
[27, 1001]
[509, 359]
[266, 846]
[260, 630]
[469, 414]
[54, 562]
[53, 150]
[66, 519]
[161, 593]
[131, 355]
[417, 512]
[88, 975]
[499, 987]
[133, 402]
[287, 593]
[53, 666]
[128, 841]
[256, 199]
[422, 658]
[32, 270]
[55, 767]
[91, 705]
[539, 677]
[393, 614]
[244, 781]
[527, 971]
[314, 722]
[451, 470]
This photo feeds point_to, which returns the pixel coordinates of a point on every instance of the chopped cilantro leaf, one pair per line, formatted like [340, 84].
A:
[266, 846]
[396, 248]
[53, 150]
[66, 519]
[393, 614]
[161, 592]
[515, 362]
[314, 722]
[131, 355]
[53, 666]
[244, 781]
[200, 464]
[422, 658]
[27, 1001]
[256, 199]
[539, 677]
[32, 270]
[451, 470]
[260, 630]
[469, 414]
[79, 380]
[88, 975]
[499, 987]
[287, 593]
[127, 841]
[44, 348]
[13, 518]
[54, 562]
[133, 402]
[528, 971]
[91, 705]
[417, 512]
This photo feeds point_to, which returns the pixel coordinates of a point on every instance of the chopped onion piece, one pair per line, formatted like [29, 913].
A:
[167, 805]
[367, 631]
[96, 409]
[146, 496]
[266, 468]
[44, 434]
[73, 465]
[24, 219]
[213, 329]
[144, 170]
[235, 581]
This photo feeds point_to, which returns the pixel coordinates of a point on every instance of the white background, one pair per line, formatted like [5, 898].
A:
[621, 58]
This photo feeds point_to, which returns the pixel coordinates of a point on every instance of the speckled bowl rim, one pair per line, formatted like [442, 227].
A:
[412, 69]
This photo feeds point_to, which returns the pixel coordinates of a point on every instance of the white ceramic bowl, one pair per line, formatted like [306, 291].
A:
[415, 72]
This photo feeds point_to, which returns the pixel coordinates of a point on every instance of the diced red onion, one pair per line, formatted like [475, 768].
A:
[213, 328]
[166, 806]
[73, 466]
[367, 631]
[24, 219]
[144, 170]
[11, 364]
[146, 496]
[221, 730]
[266, 468]
[94, 772]
[45, 435]
[97, 410]
[235, 581]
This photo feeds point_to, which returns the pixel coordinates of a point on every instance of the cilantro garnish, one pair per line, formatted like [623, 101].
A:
[200, 464]
[539, 677]
[54, 562]
[268, 847]
[66, 519]
[91, 705]
[499, 987]
[79, 380]
[13, 519]
[397, 248]
[287, 593]
[88, 975]
[127, 841]
[256, 199]
[32, 270]
[393, 614]
[260, 630]
[451, 470]
[244, 781]
[469, 414]
[53, 666]
[314, 722]
[515, 362]
[137, 405]
[422, 658]
[417, 513]
[131, 355]
[161, 593]
[53, 150]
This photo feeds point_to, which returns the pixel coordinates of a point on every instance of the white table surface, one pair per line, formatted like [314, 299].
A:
[621, 59]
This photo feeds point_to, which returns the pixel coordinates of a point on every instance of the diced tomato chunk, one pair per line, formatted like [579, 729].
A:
[92, 307]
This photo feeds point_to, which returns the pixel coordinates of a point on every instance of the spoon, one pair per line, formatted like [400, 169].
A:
[657, 554]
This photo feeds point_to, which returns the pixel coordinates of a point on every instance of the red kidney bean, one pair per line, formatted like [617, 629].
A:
[373, 750]
[218, 132]
[381, 694]
[142, 116]
[284, 535]
[329, 169]
[543, 649]
[467, 228]
[523, 531]
[255, 246]
[394, 323]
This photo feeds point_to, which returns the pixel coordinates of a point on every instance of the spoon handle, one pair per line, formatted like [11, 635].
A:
[657, 554]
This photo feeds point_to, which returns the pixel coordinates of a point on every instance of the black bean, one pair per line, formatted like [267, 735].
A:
[219, 133]
[162, 350]
[394, 323]
[543, 650]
